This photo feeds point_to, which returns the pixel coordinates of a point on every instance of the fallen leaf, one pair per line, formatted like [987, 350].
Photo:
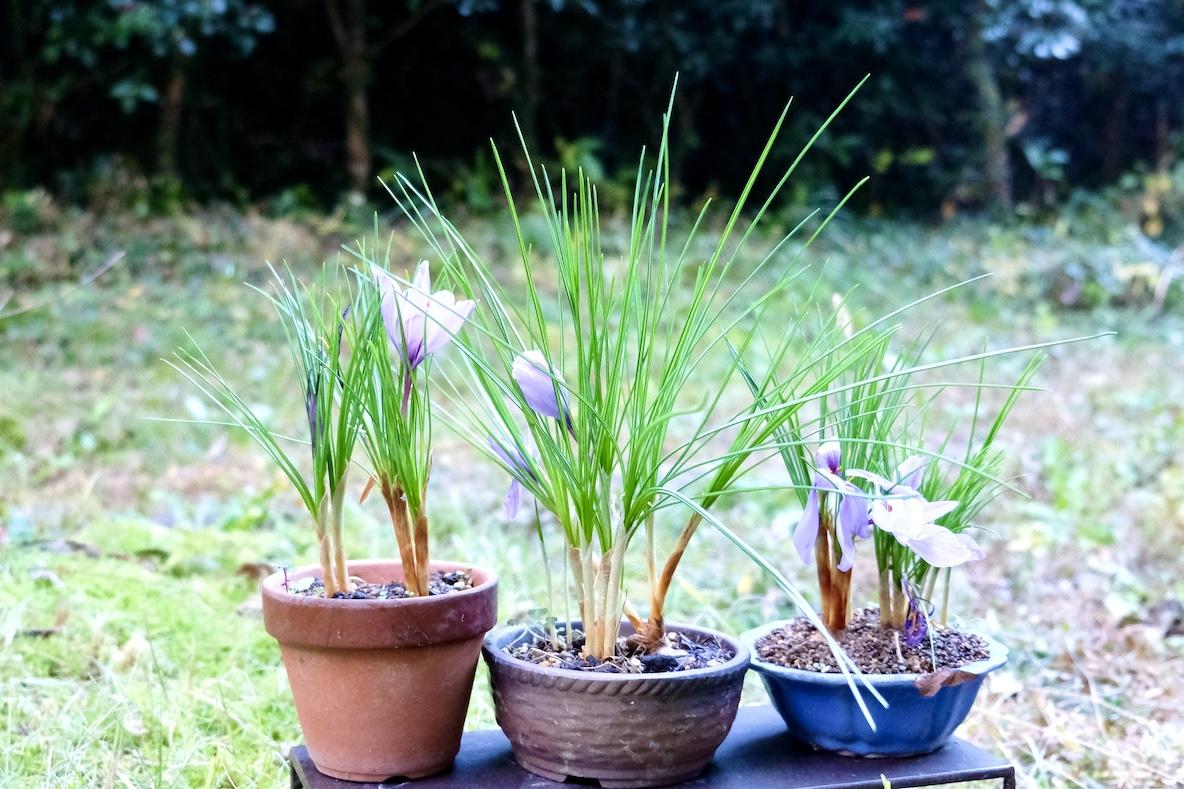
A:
[929, 684]
[256, 571]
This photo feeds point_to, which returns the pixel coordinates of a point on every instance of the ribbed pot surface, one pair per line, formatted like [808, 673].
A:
[623, 730]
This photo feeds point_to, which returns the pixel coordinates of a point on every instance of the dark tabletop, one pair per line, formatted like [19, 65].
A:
[757, 753]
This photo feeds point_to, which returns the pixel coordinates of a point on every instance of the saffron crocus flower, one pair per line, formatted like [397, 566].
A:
[539, 383]
[911, 521]
[420, 322]
[852, 520]
[515, 460]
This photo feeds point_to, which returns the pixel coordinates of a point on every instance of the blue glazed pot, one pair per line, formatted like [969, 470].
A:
[820, 710]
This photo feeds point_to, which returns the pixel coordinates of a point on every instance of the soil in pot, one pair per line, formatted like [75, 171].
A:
[679, 652]
[874, 649]
[439, 583]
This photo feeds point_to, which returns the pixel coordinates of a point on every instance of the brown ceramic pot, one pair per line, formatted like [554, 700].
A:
[623, 730]
[381, 686]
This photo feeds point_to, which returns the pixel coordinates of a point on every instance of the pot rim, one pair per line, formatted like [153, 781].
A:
[273, 586]
[740, 660]
[996, 658]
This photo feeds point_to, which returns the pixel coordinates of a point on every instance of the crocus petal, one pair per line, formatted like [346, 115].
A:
[915, 629]
[403, 321]
[513, 498]
[414, 327]
[420, 292]
[916, 621]
[940, 547]
[909, 472]
[445, 320]
[972, 547]
[389, 288]
[514, 458]
[846, 539]
[894, 516]
[882, 483]
[880, 515]
[806, 533]
[825, 479]
[885, 485]
[853, 515]
[419, 322]
[538, 385]
[829, 456]
[932, 510]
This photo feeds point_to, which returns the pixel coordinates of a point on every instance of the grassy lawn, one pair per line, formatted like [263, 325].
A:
[131, 647]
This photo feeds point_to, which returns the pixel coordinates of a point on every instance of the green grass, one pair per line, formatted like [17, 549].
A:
[131, 649]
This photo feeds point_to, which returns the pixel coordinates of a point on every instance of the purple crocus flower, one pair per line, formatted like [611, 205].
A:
[518, 466]
[420, 322]
[538, 383]
[911, 521]
[916, 620]
[852, 520]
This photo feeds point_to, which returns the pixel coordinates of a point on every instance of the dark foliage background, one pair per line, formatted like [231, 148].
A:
[971, 103]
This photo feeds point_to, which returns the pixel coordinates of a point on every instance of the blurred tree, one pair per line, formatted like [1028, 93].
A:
[1099, 83]
[996, 164]
[363, 31]
[971, 102]
[139, 51]
[173, 33]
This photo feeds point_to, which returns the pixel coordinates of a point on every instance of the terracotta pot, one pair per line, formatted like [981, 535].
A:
[819, 709]
[623, 730]
[381, 686]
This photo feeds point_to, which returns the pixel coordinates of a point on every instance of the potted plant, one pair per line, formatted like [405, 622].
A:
[380, 654]
[863, 483]
[574, 393]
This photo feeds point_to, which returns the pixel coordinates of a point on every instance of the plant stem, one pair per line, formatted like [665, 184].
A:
[339, 537]
[841, 585]
[833, 583]
[885, 596]
[822, 554]
[575, 562]
[551, 634]
[945, 598]
[327, 570]
[655, 625]
[588, 597]
[613, 613]
[602, 573]
[577, 581]
[899, 602]
[422, 558]
[929, 584]
[650, 560]
[397, 507]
